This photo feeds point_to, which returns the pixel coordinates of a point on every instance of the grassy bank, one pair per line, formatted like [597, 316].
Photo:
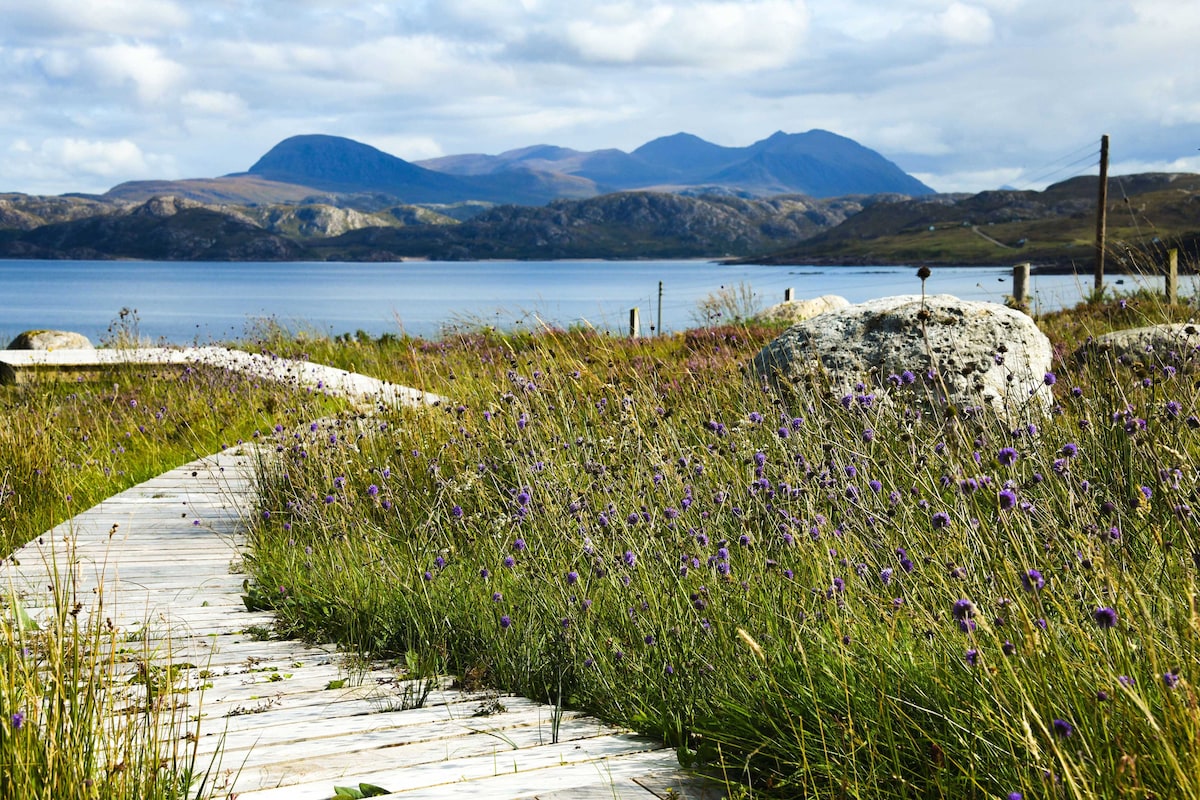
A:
[77, 719]
[812, 596]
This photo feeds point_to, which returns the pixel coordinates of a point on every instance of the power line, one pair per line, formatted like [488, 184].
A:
[1047, 177]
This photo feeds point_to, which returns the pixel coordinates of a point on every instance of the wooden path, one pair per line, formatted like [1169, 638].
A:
[16, 365]
[290, 721]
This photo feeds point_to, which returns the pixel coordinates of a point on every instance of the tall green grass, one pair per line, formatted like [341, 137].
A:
[85, 712]
[811, 596]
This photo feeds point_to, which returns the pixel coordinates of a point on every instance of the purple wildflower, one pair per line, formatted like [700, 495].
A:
[1032, 580]
[1062, 728]
[1105, 616]
[1006, 456]
[505, 622]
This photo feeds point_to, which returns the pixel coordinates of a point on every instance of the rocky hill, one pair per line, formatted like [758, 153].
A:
[622, 225]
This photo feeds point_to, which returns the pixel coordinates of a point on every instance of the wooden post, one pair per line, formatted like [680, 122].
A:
[1101, 215]
[1172, 276]
[789, 294]
[1021, 285]
[635, 325]
[658, 319]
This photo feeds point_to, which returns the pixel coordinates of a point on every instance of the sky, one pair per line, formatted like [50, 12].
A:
[966, 95]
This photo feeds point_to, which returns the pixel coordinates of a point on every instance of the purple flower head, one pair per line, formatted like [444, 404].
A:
[1105, 616]
[940, 520]
[963, 609]
[572, 578]
[629, 558]
[372, 490]
[17, 720]
[1006, 499]
[1049, 379]
[510, 562]
[456, 512]
[972, 656]
[1062, 728]
[505, 622]
[518, 545]
[1032, 580]
[1006, 456]
[1170, 679]
[1070, 449]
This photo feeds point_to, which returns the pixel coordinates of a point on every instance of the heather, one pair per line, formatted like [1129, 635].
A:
[810, 595]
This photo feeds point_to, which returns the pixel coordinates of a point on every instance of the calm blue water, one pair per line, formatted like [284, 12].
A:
[190, 302]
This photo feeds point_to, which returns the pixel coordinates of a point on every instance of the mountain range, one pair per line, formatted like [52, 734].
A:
[817, 164]
[813, 198]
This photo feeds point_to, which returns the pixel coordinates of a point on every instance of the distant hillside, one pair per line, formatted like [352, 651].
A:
[1052, 227]
[162, 229]
[623, 225]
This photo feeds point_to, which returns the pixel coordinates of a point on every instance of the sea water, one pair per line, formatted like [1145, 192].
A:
[201, 302]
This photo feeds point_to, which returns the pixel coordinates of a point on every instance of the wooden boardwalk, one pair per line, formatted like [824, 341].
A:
[287, 720]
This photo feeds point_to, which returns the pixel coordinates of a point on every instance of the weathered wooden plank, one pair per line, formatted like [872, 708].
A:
[532, 765]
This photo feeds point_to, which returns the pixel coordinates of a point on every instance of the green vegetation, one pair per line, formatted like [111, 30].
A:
[809, 596]
[81, 714]
[805, 596]
[1146, 215]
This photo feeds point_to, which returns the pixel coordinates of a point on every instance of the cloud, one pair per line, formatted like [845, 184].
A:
[58, 18]
[966, 24]
[151, 74]
[735, 36]
[76, 164]
[213, 103]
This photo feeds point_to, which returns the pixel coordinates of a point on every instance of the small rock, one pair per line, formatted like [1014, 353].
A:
[984, 353]
[50, 340]
[799, 310]
[1176, 345]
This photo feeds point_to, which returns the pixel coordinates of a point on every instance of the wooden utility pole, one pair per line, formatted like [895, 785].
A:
[658, 330]
[1101, 215]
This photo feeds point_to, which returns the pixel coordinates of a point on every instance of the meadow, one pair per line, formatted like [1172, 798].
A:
[875, 595]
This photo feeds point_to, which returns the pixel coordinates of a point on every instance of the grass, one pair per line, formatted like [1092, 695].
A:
[81, 713]
[807, 597]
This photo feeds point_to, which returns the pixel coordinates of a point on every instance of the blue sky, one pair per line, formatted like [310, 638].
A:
[965, 94]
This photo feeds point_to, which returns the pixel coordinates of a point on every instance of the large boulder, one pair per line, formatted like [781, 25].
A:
[799, 310]
[50, 340]
[983, 353]
[1174, 345]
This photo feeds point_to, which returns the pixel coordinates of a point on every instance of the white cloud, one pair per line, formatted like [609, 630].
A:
[972, 180]
[213, 103]
[735, 36]
[152, 74]
[62, 164]
[966, 24]
[105, 159]
[120, 17]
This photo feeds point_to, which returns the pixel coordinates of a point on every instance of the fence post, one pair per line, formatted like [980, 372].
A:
[1172, 276]
[789, 294]
[1021, 285]
[635, 324]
